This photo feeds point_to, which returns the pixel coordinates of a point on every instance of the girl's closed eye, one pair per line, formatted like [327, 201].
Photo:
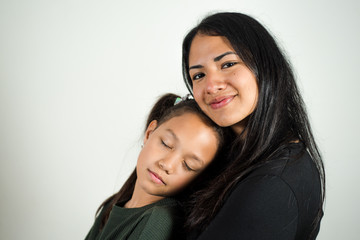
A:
[165, 144]
[187, 167]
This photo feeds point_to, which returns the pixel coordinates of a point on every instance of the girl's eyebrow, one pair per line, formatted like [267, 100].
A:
[216, 59]
[172, 134]
[193, 156]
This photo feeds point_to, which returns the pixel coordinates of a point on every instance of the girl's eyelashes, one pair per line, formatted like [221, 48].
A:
[164, 144]
[185, 165]
[187, 168]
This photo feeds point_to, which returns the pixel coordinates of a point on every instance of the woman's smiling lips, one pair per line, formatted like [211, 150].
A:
[220, 102]
[156, 178]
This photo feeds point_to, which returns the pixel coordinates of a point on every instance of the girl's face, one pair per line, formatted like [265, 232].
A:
[173, 154]
[223, 86]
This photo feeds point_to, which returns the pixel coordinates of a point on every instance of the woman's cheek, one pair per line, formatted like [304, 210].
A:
[197, 94]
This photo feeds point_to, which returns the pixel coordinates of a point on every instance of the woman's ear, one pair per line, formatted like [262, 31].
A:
[152, 126]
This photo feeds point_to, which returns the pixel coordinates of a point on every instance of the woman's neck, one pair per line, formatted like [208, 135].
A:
[239, 127]
[140, 198]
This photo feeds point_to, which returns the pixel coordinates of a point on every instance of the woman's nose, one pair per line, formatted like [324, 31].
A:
[214, 82]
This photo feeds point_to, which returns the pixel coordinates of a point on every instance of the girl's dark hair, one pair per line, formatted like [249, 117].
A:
[163, 110]
[278, 119]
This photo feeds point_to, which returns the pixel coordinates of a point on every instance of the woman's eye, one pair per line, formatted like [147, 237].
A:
[198, 76]
[187, 168]
[228, 64]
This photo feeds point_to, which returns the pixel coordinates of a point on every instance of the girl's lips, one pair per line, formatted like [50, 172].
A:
[156, 178]
[220, 102]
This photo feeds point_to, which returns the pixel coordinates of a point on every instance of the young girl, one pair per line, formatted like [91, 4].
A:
[179, 143]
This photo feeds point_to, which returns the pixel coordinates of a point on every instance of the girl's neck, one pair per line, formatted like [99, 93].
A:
[140, 198]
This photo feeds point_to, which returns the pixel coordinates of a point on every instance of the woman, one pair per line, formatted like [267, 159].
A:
[273, 184]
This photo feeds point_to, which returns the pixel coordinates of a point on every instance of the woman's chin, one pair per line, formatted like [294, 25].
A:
[224, 122]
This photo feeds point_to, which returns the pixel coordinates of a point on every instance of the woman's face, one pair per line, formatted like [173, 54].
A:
[223, 86]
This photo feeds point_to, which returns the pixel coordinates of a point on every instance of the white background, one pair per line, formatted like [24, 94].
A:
[77, 79]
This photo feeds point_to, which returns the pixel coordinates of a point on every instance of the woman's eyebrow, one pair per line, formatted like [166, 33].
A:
[216, 59]
[195, 66]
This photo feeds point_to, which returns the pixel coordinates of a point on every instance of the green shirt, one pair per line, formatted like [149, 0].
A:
[160, 220]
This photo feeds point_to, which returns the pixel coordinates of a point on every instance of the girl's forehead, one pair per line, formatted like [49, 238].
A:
[184, 119]
[188, 124]
[193, 136]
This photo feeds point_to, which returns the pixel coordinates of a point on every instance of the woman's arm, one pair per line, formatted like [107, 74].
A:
[261, 207]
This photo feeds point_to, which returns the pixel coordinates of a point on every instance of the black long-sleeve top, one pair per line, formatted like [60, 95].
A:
[279, 200]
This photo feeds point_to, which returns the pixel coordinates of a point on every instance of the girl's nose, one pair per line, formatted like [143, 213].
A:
[167, 165]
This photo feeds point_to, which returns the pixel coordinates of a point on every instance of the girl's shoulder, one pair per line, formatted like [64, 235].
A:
[163, 220]
[166, 208]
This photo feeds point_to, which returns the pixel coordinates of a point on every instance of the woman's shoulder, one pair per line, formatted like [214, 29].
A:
[293, 170]
[289, 184]
[293, 163]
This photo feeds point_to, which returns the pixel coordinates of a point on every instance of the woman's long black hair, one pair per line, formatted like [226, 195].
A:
[165, 109]
[278, 119]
